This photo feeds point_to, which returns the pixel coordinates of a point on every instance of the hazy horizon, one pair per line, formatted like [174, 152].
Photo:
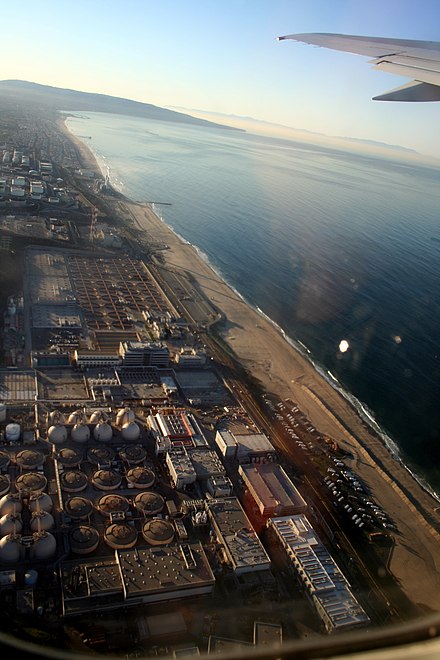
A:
[224, 58]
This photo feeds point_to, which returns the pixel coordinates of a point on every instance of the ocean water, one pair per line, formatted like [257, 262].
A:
[330, 245]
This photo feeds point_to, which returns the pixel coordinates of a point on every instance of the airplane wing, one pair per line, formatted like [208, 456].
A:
[404, 57]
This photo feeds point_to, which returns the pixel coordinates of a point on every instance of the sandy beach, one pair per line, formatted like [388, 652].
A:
[283, 371]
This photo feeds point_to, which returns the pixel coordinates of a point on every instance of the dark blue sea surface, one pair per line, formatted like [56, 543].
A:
[331, 245]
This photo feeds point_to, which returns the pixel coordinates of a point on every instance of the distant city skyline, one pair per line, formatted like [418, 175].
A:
[223, 57]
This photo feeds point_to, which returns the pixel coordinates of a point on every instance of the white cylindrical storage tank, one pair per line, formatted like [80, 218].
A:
[44, 546]
[10, 549]
[13, 432]
[124, 416]
[131, 431]
[80, 433]
[42, 521]
[2, 412]
[11, 524]
[57, 434]
[103, 432]
[10, 503]
[31, 578]
[40, 502]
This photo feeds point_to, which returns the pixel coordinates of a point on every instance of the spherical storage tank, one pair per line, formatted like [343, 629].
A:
[10, 503]
[80, 433]
[13, 432]
[76, 417]
[40, 502]
[11, 523]
[42, 521]
[44, 546]
[124, 416]
[57, 434]
[10, 549]
[131, 431]
[103, 432]
[56, 417]
[98, 416]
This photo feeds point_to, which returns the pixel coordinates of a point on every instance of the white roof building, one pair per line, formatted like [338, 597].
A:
[319, 574]
[234, 531]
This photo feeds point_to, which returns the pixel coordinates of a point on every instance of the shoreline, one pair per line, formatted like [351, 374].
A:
[358, 406]
[265, 351]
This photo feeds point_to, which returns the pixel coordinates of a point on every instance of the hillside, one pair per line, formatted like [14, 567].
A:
[56, 98]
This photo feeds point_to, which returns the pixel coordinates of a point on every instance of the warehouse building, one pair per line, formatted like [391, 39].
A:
[134, 577]
[181, 469]
[139, 353]
[272, 490]
[242, 547]
[245, 447]
[318, 573]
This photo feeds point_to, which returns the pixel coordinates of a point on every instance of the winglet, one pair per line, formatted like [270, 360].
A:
[412, 91]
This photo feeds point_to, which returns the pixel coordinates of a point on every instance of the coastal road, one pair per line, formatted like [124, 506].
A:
[381, 589]
[384, 600]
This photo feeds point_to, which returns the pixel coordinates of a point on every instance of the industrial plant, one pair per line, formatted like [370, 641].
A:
[132, 474]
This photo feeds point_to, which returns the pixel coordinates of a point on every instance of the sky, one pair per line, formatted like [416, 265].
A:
[222, 56]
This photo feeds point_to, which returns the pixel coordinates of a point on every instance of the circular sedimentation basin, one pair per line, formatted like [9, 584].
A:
[158, 532]
[84, 539]
[120, 535]
[73, 481]
[113, 503]
[31, 481]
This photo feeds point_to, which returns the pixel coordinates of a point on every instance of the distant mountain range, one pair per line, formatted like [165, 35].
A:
[56, 98]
